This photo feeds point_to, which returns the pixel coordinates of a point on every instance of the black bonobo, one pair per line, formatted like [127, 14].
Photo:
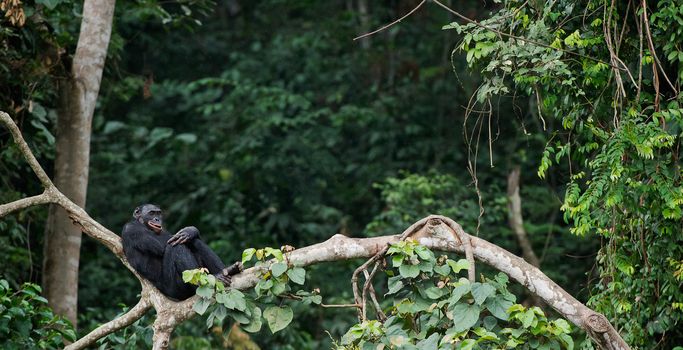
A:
[161, 257]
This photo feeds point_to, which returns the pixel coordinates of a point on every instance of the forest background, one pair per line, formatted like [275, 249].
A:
[263, 123]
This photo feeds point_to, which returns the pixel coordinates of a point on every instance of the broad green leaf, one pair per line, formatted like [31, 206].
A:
[498, 307]
[51, 4]
[459, 290]
[431, 343]
[201, 305]
[205, 291]
[435, 292]
[278, 268]
[247, 254]
[396, 260]
[467, 344]
[442, 270]
[481, 291]
[461, 264]
[278, 287]
[527, 318]
[395, 284]
[278, 317]
[297, 275]
[255, 322]
[465, 316]
[409, 271]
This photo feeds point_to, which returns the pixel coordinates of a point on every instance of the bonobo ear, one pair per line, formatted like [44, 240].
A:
[137, 212]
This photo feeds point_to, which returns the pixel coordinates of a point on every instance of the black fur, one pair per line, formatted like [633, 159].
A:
[163, 263]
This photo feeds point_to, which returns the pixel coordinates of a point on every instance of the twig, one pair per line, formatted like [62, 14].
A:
[652, 48]
[392, 23]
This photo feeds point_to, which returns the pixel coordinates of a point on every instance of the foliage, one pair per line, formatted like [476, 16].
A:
[27, 322]
[413, 196]
[619, 104]
[435, 309]
[249, 310]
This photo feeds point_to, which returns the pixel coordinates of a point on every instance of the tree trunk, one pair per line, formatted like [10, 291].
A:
[515, 218]
[78, 96]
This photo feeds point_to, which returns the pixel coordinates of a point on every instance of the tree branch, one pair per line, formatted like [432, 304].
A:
[25, 150]
[114, 325]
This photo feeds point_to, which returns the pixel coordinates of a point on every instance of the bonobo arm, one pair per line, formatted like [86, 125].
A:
[185, 235]
[140, 238]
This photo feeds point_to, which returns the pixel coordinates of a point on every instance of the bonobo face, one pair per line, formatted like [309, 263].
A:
[149, 215]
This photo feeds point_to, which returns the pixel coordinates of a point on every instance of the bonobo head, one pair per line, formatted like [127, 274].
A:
[150, 216]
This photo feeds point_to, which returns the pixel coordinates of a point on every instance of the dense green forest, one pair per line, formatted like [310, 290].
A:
[551, 129]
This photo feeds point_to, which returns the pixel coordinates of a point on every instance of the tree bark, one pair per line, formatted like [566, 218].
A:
[515, 218]
[78, 95]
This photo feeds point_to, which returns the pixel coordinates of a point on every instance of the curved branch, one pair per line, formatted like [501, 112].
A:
[25, 150]
[112, 326]
[43, 198]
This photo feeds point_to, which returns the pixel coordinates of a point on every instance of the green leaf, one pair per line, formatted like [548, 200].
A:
[442, 270]
[278, 317]
[205, 291]
[431, 343]
[459, 290]
[255, 321]
[465, 316]
[395, 284]
[297, 275]
[498, 307]
[201, 305]
[409, 271]
[396, 260]
[467, 344]
[435, 292]
[527, 318]
[247, 254]
[278, 268]
[481, 291]
[459, 265]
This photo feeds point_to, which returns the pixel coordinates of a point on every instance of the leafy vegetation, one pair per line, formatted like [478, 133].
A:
[433, 308]
[27, 322]
[620, 135]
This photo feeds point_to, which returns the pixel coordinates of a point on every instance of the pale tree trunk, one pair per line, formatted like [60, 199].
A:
[78, 96]
[516, 220]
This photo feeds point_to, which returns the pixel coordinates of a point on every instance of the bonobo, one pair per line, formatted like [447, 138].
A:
[161, 257]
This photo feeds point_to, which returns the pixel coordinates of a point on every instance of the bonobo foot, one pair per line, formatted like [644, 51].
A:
[226, 274]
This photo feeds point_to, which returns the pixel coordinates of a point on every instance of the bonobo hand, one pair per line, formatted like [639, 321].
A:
[225, 275]
[184, 235]
[226, 279]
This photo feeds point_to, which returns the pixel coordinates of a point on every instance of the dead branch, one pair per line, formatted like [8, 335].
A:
[441, 233]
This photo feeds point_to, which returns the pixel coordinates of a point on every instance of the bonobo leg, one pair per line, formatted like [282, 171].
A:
[207, 258]
[176, 260]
